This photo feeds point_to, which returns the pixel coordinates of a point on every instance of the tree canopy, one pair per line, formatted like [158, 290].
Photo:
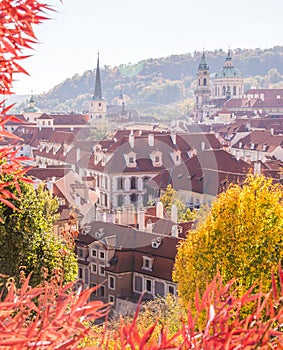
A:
[241, 238]
[27, 240]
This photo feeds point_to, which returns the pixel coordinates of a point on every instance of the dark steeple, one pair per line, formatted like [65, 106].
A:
[228, 61]
[203, 65]
[97, 90]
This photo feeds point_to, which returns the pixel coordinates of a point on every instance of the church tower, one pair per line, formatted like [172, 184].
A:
[97, 104]
[229, 82]
[202, 92]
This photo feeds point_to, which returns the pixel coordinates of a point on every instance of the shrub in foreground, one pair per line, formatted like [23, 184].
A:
[55, 317]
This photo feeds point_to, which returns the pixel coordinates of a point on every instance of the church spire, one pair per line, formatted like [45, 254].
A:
[203, 65]
[97, 90]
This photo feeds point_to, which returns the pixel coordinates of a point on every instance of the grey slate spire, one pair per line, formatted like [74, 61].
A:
[97, 90]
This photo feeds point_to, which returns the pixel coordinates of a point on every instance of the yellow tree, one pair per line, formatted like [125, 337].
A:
[170, 197]
[241, 237]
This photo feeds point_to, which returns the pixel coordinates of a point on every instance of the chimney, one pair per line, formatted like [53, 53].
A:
[173, 138]
[132, 139]
[174, 231]
[272, 131]
[174, 213]
[257, 168]
[141, 220]
[159, 210]
[151, 140]
[119, 217]
[149, 226]
[78, 154]
[237, 154]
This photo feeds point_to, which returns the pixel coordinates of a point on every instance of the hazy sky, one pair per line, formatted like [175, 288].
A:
[126, 31]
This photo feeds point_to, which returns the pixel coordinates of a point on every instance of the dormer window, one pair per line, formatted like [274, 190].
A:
[176, 156]
[252, 145]
[131, 159]
[156, 158]
[147, 263]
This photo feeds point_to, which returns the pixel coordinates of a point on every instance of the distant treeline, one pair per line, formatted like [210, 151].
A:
[162, 81]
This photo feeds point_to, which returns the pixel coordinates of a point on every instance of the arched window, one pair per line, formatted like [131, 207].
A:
[120, 200]
[234, 91]
[224, 90]
[133, 183]
[134, 197]
[204, 82]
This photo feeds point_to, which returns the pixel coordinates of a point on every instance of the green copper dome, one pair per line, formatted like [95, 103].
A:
[228, 70]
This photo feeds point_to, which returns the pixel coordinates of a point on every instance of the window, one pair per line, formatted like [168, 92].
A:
[102, 291]
[138, 284]
[99, 104]
[92, 285]
[80, 272]
[171, 290]
[148, 286]
[234, 91]
[80, 253]
[130, 159]
[94, 253]
[111, 299]
[159, 288]
[93, 268]
[133, 183]
[119, 183]
[102, 270]
[147, 263]
[86, 276]
[204, 81]
[134, 197]
[111, 282]
[120, 200]
[101, 255]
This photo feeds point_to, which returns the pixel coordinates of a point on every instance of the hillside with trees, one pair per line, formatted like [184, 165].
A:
[162, 84]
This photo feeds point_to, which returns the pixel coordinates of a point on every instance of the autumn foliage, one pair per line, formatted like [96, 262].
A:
[241, 238]
[53, 316]
[16, 34]
[47, 317]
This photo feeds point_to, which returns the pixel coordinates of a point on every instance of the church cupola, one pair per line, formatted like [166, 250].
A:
[228, 83]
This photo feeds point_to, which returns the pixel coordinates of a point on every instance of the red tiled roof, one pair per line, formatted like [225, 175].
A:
[260, 138]
[208, 172]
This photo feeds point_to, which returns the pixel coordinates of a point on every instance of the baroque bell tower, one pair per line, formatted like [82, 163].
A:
[203, 91]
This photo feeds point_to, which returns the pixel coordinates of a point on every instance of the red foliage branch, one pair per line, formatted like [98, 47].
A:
[16, 34]
[221, 321]
[47, 317]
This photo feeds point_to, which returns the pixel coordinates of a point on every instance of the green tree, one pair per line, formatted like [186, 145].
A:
[171, 197]
[27, 240]
[241, 238]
